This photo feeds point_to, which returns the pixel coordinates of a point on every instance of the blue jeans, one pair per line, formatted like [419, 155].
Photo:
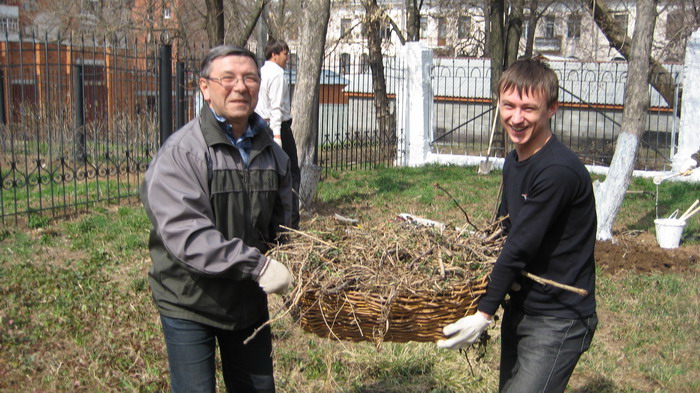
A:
[538, 353]
[191, 346]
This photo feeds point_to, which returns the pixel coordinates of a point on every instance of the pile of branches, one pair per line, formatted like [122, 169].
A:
[398, 255]
[402, 279]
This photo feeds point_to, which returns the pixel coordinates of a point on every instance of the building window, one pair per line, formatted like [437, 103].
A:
[442, 32]
[167, 13]
[9, 25]
[345, 25]
[23, 98]
[385, 32]
[364, 63]
[573, 26]
[423, 26]
[622, 20]
[344, 63]
[549, 26]
[464, 27]
[675, 22]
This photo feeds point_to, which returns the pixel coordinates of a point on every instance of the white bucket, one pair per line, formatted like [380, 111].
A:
[669, 232]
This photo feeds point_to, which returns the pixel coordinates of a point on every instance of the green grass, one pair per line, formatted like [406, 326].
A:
[76, 313]
[413, 190]
[38, 200]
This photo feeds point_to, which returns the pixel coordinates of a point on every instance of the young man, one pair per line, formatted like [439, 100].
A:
[217, 193]
[274, 106]
[551, 225]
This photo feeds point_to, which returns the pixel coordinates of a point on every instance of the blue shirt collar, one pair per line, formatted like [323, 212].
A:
[244, 143]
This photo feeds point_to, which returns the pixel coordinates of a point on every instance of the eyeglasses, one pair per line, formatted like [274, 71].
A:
[228, 82]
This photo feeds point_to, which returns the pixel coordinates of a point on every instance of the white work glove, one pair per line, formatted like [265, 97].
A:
[464, 332]
[275, 277]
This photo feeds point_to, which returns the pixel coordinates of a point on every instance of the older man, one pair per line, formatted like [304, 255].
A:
[217, 193]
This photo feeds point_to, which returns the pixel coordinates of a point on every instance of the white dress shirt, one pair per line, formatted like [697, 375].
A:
[273, 99]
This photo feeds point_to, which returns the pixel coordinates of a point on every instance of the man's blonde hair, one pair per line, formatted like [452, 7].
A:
[530, 76]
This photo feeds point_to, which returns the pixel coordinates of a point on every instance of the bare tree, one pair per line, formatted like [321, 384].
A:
[372, 28]
[663, 80]
[610, 193]
[504, 37]
[241, 17]
[215, 22]
[514, 32]
[536, 13]
[497, 41]
[314, 24]
[682, 19]
[75, 17]
[413, 20]
[282, 18]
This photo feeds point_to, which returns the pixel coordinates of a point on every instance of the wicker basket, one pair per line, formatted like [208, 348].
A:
[356, 316]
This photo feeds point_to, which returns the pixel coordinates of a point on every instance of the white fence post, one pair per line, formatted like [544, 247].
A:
[414, 106]
[689, 134]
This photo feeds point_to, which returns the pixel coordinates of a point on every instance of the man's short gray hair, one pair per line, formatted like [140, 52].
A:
[224, 51]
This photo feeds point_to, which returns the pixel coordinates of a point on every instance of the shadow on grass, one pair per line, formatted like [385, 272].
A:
[402, 378]
[598, 385]
[387, 183]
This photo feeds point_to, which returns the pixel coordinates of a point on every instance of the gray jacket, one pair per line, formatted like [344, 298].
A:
[213, 219]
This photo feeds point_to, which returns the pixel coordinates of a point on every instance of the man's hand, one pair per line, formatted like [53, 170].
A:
[275, 277]
[464, 332]
[278, 139]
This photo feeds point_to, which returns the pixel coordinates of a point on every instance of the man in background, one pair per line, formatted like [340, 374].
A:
[274, 106]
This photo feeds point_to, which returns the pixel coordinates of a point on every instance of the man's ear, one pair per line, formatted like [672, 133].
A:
[552, 109]
[204, 88]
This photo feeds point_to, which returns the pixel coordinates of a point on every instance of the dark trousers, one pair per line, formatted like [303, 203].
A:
[289, 146]
[191, 352]
[539, 354]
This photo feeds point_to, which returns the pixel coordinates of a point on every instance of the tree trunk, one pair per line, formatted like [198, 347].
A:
[314, 17]
[610, 194]
[487, 28]
[531, 28]
[497, 43]
[662, 81]
[247, 18]
[385, 119]
[412, 20]
[498, 53]
[215, 22]
[515, 31]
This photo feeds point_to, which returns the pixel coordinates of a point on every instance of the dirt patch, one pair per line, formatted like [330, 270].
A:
[641, 253]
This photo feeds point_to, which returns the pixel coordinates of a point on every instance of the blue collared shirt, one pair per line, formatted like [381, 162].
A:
[243, 143]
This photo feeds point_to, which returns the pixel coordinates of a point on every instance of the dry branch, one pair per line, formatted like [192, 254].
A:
[391, 281]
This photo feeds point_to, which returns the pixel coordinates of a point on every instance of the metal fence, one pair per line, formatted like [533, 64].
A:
[353, 133]
[79, 123]
[81, 119]
[591, 99]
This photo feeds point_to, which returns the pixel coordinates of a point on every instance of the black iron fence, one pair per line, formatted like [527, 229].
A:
[591, 99]
[355, 130]
[81, 119]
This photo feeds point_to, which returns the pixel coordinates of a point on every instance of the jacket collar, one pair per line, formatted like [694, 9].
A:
[213, 133]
